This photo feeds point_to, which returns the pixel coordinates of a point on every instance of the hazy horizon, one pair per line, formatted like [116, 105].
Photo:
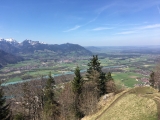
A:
[87, 23]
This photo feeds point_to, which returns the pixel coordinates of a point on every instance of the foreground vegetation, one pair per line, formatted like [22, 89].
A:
[138, 103]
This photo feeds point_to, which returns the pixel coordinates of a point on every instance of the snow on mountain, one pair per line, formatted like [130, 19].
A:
[13, 41]
[29, 46]
[10, 40]
[30, 42]
[1, 39]
[43, 43]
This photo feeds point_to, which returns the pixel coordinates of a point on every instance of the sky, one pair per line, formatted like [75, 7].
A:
[84, 22]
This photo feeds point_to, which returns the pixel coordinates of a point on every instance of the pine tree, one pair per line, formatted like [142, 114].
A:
[102, 84]
[77, 84]
[109, 76]
[5, 113]
[50, 85]
[51, 107]
[94, 66]
[111, 87]
[152, 79]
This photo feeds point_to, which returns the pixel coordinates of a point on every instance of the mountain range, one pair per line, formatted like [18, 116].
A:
[10, 49]
[29, 46]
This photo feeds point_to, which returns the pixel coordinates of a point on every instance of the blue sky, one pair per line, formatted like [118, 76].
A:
[84, 22]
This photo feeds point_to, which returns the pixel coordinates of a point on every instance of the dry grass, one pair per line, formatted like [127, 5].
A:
[106, 105]
[133, 76]
[132, 107]
[132, 104]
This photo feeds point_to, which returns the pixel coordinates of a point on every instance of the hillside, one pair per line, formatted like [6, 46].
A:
[141, 103]
[6, 58]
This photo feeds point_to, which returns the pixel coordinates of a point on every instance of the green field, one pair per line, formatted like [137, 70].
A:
[41, 63]
[128, 79]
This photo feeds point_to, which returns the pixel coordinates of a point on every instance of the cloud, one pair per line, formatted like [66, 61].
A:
[150, 26]
[101, 28]
[123, 6]
[91, 21]
[100, 10]
[141, 5]
[126, 32]
[78, 26]
[75, 28]
[135, 30]
[158, 9]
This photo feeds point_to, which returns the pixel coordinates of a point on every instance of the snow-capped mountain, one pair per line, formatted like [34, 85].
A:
[29, 46]
[30, 42]
[10, 40]
[9, 45]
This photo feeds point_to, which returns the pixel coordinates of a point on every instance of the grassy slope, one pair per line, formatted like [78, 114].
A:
[132, 104]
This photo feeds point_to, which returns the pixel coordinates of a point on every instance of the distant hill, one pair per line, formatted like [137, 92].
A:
[6, 58]
[29, 46]
[152, 49]
[141, 103]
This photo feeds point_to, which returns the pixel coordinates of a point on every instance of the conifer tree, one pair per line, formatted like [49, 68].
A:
[77, 84]
[109, 76]
[111, 87]
[152, 79]
[51, 107]
[5, 113]
[94, 65]
[101, 85]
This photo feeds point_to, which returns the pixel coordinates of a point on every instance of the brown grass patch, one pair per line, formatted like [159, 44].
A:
[133, 76]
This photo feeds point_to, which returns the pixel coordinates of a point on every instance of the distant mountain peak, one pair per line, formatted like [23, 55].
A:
[31, 42]
[10, 40]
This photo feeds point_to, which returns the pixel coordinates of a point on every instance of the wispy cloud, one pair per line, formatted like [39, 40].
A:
[78, 26]
[138, 6]
[126, 32]
[101, 28]
[135, 30]
[123, 6]
[158, 9]
[75, 28]
[100, 10]
[150, 26]
[94, 19]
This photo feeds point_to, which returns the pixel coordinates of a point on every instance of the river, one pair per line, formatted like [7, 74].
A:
[67, 73]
